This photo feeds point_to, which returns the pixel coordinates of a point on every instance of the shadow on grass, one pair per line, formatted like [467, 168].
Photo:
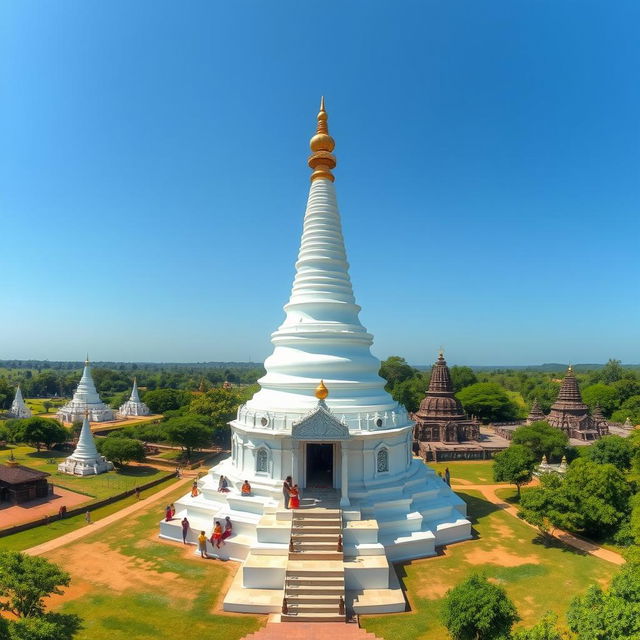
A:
[140, 471]
[477, 507]
[549, 542]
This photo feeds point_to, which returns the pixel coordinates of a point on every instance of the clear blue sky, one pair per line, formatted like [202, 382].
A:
[153, 175]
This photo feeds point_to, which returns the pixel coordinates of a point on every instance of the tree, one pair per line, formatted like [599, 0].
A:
[25, 581]
[630, 408]
[591, 498]
[395, 369]
[634, 520]
[546, 629]
[611, 372]
[462, 377]
[541, 439]
[514, 465]
[189, 432]
[38, 431]
[603, 396]
[121, 450]
[162, 400]
[47, 405]
[626, 388]
[611, 450]
[612, 614]
[410, 392]
[478, 610]
[50, 626]
[219, 406]
[488, 401]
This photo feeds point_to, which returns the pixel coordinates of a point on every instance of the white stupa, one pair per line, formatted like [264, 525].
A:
[133, 406]
[86, 399]
[18, 407]
[345, 434]
[85, 460]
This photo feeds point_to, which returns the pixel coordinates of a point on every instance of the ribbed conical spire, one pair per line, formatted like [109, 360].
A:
[440, 378]
[536, 414]
[19, 408]
[134, 392]
[86, 391]
[440, 402]
[569, 390]
[86, 447]
[322, 337]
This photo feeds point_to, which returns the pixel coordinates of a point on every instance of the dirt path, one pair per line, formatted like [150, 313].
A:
[489, 493]
[114, 517]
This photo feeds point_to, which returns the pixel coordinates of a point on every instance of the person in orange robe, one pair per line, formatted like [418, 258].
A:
[294, 497]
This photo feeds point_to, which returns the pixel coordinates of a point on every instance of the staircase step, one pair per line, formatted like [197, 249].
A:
[312, 607]
[320, 581]
[315, 555]
[335, 530]
[303, 568]
[314, 545]
[315, 617]
[316, 537]
[297, 599]
[294, 589]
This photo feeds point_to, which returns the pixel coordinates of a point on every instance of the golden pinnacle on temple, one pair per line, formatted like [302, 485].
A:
[322, 144]
[321, 391]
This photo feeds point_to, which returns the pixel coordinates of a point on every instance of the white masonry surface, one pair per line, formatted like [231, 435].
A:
[393, 506]
[133, 406]
[85, 460]
[18, 407]
[86, 399]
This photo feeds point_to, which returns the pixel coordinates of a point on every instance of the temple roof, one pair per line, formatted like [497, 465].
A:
[18, 474]
[440, 404]
[536, 414]
[134, 392]
[86, 447]
[569, 397]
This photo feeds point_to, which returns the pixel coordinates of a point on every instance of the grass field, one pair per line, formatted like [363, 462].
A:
[101, 486]
[37, 404]
[536, 576]
[57, 528]
[471, 472]
[138, 587]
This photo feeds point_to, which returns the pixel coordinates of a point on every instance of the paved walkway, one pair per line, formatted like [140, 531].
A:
[489, 493]
[144, 503]
[311, 631]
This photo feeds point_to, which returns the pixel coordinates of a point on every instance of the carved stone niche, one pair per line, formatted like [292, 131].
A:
[320, 425]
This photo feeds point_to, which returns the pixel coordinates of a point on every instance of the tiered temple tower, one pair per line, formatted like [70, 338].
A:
[571, 414]
[18, 407]
[441, 417]
[86, 401]
[133, 406]
[352, 440]
[536, 414]
[85, 460]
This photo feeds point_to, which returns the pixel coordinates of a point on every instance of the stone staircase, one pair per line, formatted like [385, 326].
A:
[301, 631]
[314, 579]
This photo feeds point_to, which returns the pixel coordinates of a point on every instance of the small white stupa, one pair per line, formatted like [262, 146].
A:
[86, 399]
[18, 407]
[133, 406]
[85, 460]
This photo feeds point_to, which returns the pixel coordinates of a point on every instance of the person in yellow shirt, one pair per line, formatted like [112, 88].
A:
[202, 545]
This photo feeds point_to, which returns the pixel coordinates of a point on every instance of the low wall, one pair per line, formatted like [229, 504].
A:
[83, 508]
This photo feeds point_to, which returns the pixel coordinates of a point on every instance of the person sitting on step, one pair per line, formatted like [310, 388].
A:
[246, 488]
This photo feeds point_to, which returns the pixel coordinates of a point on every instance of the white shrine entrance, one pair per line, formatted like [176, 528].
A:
[320, 470]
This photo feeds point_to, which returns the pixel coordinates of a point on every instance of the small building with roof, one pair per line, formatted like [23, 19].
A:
[20, 484]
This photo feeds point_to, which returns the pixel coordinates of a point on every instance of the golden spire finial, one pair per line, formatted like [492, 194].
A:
[86, 361]
[570, 368]
[322, 144]
[321, 391]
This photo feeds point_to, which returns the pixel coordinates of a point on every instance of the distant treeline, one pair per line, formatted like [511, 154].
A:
[65, 365]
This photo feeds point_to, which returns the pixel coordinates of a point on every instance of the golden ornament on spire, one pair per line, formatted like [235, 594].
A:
[322, 144]
[321, 391]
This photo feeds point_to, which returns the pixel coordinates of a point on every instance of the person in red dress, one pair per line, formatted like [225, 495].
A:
[294, 497]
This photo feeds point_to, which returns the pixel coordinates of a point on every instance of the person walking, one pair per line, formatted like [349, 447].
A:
[137, 493]
[447, 476]
[202, 545]
[286, 490]
[87, 517]
[185, 529]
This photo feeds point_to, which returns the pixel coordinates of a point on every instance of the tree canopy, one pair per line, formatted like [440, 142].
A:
[488, 401]
[601, 395]
[611, 450]
[162, 400]
[542, 439]
[546, 629]
[37, 431]
[476, 609]
[514, 465]
[189, 432]
[121, 450]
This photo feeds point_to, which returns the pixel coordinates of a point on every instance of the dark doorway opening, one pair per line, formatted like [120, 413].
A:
[319, 465]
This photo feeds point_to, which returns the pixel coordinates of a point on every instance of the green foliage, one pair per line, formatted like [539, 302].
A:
[611, 372]
[162, 400]
[38, 431]
[25, 581]
[603, 396]
[462, 377]
[488, 401]
[5, 433]
[546, 629]
[542, 439]
[612, 614]
[410, 392]
[395, 369]
[634, 520]
[610, 450]
[626, 388]
[50, 626]
[121, 450]
[190, 432]
[476, 609]
[591, 498]
[630, 408]
[514, 465]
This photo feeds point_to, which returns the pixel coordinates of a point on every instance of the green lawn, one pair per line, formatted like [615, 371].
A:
[101, 486]
[37, 404]
[474, 472]
[139, 587]
[57, 528]
[536, 576]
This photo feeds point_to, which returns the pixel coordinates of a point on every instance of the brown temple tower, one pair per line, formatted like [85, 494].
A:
[536, 414]
[441, 417]
[571, 414]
